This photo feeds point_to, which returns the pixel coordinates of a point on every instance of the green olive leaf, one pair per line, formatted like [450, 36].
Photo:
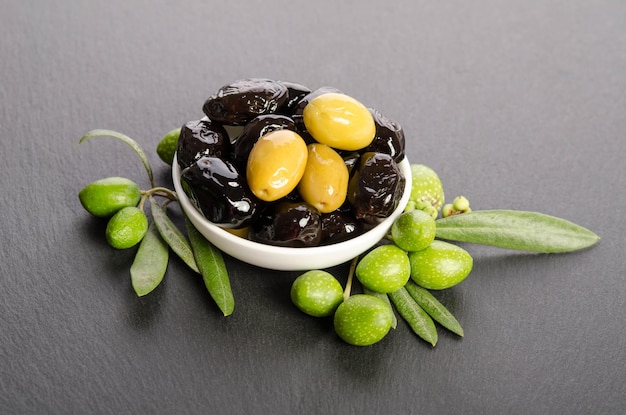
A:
[419, 321]
[518, 230]
[126, 139]
[150, 264]
[434, 308]
[172, 235]
[213, 269]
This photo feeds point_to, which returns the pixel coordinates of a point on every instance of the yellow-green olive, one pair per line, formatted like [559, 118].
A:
[324, 183]
[276, 164]
[339, 121]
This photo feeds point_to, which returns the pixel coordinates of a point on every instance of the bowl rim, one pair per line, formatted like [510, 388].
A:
[211, 230]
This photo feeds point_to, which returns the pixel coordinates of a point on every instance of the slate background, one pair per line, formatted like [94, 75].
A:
[517, 104]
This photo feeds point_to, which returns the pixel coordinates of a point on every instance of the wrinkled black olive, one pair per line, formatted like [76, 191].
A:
[375, 187]
[218, 190]
[241, 101]
[201, 138]
[340, 226]
[389, 138]
[350, 159]
[256, 128]
[295, 93]
[298, 109]
[288, 224]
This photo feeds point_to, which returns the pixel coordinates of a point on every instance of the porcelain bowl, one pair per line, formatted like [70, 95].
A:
[283, 258]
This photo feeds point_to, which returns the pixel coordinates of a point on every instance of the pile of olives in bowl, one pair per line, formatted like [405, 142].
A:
[285, 177]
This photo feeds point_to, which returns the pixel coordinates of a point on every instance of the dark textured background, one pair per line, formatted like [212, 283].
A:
[518, 104]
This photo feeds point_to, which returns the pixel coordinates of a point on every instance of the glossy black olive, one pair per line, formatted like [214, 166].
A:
[218, 190]
[289, 224]
[201, 138]
[256, 128]
[340, 226]
[375, 187]
[241, 101]
[389, 138]
[350, 159]
[295, 93]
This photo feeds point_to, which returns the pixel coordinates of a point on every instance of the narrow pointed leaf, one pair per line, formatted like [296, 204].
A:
[518, 230]
[150, 264]
[172, 235]
[213, 269]
[434, 308]
[126, 139]
[419, 321]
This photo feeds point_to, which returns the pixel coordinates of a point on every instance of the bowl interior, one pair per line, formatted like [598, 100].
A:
[283, 258]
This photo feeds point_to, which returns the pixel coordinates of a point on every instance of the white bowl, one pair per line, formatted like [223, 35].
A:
[289, 259]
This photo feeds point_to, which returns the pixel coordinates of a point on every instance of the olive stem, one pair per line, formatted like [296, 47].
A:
[346, 292]
[158, 191]
[164, 192]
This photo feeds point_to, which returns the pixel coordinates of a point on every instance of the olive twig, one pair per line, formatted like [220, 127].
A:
[158, 191]
[346, 292]
[164, 192]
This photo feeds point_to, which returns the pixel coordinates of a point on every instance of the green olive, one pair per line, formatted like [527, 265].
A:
[440, 266]
[166, 148]
[324, 183]
[363, 320]
[105, 197]
[339, 121]
[276, 164]
[316, 293]
[384, 269]
[126, 228]
[413, 230]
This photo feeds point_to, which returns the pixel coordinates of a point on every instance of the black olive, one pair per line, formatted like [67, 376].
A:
[389, 138]
[350, 159]
[340, 226]
[218, 190]
[375, 187]
[295, 93]
[288, 224]
[201, 138]
[241, 101]
[256, 128]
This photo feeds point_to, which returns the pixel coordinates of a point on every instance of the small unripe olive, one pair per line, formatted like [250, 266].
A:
[105, 197]
[126, 228]
[316, 293]
[384, 269]
[363, 320]
[440, 266]
[413, 230]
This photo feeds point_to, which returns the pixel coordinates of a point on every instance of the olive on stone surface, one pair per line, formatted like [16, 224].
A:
[389, 137]
[201, 138]
[375, 187]
[255, 129]
[220, 192]
[241, 101]
[288, 224]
